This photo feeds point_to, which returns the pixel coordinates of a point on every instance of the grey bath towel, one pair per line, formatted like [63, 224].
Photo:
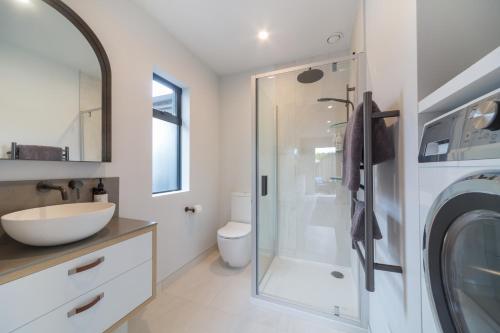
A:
[383, 146]
[358, 223]
[42, 153]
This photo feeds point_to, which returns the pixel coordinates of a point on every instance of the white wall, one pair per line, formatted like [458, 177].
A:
[452, 35]
[358, 33]
[29, 83]
[90, 117]
[236, 139]
[391, 47]
[136, 45]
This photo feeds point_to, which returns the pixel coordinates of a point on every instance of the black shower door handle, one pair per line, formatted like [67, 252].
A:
[264, 186]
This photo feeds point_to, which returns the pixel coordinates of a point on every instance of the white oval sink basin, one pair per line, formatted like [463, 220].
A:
[56, 225]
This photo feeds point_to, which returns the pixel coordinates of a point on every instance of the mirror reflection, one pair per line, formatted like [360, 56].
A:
[50, 86]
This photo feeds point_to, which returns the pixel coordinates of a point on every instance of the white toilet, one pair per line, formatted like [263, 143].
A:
[234, 239]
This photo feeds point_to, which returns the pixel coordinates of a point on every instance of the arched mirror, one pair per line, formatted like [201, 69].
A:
[55, 85]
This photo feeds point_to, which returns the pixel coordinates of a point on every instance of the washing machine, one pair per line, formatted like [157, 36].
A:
[459, 166]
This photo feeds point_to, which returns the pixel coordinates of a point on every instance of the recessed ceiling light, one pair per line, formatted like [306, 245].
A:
[263, 35]
[330, 106]
[334, 38]
[329, 122]
[271, 77]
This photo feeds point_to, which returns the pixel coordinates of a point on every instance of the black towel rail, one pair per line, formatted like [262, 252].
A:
[14, 154]
[367, 255]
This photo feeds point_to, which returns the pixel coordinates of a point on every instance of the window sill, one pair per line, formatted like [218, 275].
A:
[169, 193]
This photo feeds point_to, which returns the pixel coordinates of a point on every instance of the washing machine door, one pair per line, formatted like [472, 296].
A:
[462, 255]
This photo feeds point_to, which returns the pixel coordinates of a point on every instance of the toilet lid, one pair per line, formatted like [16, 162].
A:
[234, 230]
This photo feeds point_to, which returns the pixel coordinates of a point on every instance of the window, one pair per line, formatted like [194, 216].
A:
[167, 124]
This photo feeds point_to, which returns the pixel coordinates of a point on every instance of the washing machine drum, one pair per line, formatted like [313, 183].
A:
[462, 255]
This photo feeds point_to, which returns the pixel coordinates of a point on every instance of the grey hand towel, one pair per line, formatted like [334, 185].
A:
[382, 146]
[41, 153]
[358, 223]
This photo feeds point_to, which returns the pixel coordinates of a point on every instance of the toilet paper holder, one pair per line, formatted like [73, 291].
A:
[193, 209]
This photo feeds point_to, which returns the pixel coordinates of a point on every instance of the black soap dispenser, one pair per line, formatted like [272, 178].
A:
[99, 193]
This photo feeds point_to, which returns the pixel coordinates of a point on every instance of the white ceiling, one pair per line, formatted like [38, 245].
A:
[223, 33]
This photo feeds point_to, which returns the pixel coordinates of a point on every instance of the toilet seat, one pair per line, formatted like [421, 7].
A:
[234, 230]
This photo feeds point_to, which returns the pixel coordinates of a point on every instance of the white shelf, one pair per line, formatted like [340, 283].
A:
[479, 79]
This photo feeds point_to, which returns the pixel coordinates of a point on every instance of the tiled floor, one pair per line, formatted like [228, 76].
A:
[311, 284]
[212, 298]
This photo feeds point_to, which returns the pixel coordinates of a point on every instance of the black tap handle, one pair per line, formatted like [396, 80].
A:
[75, 184]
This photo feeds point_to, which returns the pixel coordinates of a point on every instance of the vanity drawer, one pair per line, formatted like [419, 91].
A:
[37, 294]
[100, 308]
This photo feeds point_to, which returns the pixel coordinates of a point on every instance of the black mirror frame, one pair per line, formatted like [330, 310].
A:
[91, 37]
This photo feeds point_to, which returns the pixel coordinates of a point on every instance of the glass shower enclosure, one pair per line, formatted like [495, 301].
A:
[303, 252]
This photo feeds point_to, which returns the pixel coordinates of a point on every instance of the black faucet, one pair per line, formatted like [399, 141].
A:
[75, 184]
[45, 187]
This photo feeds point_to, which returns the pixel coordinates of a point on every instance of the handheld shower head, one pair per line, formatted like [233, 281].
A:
[339, 100]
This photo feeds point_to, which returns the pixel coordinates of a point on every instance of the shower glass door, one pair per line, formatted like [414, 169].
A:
[267, 172]
[303, 221]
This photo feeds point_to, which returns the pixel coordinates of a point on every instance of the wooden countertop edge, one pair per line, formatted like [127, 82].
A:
[9, 277]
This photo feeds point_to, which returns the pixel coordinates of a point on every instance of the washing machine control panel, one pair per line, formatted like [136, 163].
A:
[468, 133]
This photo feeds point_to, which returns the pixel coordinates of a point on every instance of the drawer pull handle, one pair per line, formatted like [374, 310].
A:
[87, 306]
[86, 267]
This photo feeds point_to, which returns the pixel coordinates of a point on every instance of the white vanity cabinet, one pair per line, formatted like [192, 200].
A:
[92, 290]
